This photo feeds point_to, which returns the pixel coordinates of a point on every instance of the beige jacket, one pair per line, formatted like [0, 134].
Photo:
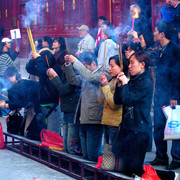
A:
[112, 114]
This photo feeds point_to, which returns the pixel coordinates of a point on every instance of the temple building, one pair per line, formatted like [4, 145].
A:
[62, 17]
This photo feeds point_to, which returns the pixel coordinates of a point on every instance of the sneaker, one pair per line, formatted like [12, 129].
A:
[173, 166]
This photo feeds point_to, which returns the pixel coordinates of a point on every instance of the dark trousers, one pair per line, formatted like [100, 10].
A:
[131, 148]
[161, 144]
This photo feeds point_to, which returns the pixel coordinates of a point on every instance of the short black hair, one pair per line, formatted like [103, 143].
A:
[12, 71]
[87, 57]
[48, 39]
[102, 18]
[165, 27]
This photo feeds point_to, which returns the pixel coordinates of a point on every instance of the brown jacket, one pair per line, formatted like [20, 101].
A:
[112, 114]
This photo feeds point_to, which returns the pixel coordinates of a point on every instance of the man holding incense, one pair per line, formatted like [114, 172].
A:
[167, 92]
[7, 46]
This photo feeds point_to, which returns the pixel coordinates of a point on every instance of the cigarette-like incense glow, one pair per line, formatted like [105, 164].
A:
[136, 15]
[133, 23]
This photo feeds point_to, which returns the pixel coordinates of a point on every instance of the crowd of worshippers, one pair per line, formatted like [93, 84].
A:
[103, 94]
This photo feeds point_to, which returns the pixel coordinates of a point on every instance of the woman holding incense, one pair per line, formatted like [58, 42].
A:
[59, 46]
[49, 96]
[107, 49]
[105, 97]
[136, 97]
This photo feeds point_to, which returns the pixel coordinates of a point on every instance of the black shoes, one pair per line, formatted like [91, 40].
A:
[158, 163]
[173, 166]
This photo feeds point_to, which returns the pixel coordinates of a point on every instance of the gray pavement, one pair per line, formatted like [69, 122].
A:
[14, 166]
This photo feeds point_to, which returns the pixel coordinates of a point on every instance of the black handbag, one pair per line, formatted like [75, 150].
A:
[15, 123]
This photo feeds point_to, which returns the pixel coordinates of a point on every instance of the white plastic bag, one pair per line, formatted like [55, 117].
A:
[172, 129]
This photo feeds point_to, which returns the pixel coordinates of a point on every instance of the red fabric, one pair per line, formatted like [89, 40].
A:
[51, 139]
[1, 137]
[150, 173]
[98, 37]
[100, 160]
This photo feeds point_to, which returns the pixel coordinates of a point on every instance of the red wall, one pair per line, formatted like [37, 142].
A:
[62, 17]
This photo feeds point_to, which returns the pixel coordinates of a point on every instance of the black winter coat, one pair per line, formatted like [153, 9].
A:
[38, 67]
[167, 73]
[136, 98]
[25, 93]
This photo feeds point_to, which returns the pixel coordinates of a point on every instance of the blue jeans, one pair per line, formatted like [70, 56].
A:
[54, 120]
[70, 133]
[161, 145]
[110, 134]
[91, 139]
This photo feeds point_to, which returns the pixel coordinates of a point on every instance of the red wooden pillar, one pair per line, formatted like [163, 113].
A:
[104, 8]
[88, 20]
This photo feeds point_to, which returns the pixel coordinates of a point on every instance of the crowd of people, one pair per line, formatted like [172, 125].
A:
[103, 93]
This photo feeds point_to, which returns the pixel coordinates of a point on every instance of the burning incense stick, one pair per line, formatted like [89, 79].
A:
[4, 96]
[104, 55]
[121, 59]
[133, 24]
[47, 61]
[31, 39]
[6, 92]
[119, 54]
[136, 15]
[67, 46]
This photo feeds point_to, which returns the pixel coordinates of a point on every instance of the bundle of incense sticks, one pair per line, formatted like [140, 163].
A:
[30, 39]
[67, 46]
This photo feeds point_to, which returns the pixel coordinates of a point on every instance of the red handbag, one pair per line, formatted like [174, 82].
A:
[51, 139]
[1, 137]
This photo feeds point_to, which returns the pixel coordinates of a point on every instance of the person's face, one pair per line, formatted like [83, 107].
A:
[157, 35]
[172, 2]
[8, 45]
[103, 26]
[132, 12]
[129, 52]
[168, 3]
[114, 69]
[82, 33]
[143, 43]
[36, 44]
[88, 66]
[12, 79]
[135, 67]
[103, 36]
[56, 45]
[44, 43]
[100, 21]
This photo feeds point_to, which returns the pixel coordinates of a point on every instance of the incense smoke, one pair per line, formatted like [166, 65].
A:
[33, 9]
